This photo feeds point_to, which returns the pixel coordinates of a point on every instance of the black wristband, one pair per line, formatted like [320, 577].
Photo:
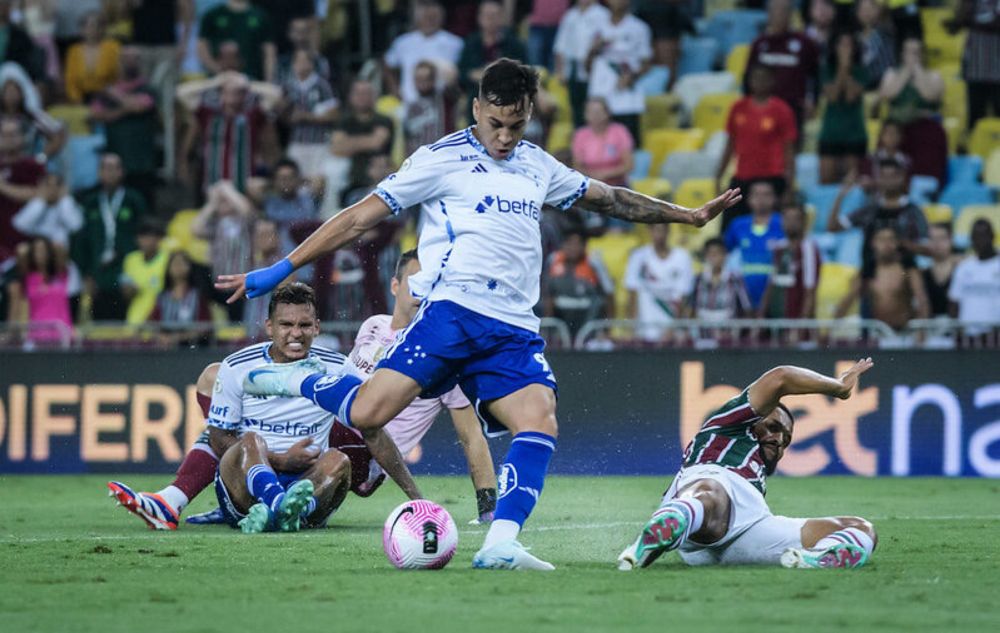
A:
[486, 500]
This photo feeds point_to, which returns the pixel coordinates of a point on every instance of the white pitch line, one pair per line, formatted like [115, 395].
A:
[164, 538]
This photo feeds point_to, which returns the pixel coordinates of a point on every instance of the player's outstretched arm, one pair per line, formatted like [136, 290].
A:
[343, 228]
[787, 380]
[625, 204]
[386, 454]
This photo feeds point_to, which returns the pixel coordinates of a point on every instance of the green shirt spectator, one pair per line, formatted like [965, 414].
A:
[249, 27]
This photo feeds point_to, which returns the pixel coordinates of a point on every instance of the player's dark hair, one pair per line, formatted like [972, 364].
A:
[295, 293]
[507, 82]
[715, 241]
[287, 162]
[403, 261]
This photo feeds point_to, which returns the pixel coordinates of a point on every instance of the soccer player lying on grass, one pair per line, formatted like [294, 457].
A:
[481, 191]
[161, 510]
[714, 512]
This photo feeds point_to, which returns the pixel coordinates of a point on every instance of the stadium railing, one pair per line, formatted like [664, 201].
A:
[942, 333]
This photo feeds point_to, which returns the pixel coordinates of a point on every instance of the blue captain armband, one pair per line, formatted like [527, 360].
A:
[263, 280]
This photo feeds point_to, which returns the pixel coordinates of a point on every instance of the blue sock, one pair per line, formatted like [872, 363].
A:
[263, 484]
[333, 393]
[522, 475]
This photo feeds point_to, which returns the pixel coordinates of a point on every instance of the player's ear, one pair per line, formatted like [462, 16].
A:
[394, 286]
[475, 109]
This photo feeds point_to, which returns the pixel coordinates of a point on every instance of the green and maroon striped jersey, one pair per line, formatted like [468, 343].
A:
[725, 439]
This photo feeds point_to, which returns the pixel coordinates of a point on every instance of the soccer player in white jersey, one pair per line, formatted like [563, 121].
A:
[276, 469]
[481, 192]
[714, 512]
[409, 427]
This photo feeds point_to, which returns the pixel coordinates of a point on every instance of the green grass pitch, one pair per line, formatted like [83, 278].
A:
[71, 561]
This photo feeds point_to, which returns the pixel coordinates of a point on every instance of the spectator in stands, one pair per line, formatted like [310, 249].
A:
[229, 117]
[310, 109]
[128, 111]
[300, 36]
[290, 203]
[578, 287]
[577, 31]
[669, 20]
[980, 71]
[40, 24]
[659, 279]
[719, 292]
[91, 65]
[762, 135]
[142, 272]
[754, 236]
[914, 94]
[975, 287]
[19, 177]
[52, 213]
[890, 286]
[876, 46]
[180, 307]
[226, 221]
[362, 133]
[603, 148]
[111, 214]
[282, 13]
[821, 22]
[542, 26]
[431, 115]
[938, 275]
[266, 251]
[888, 148]
[793, 58]
[492, 41]
[791, 288]
[18, 45]
[45, 136]
[843, 139]
[41, 296]
[252, 30]
[905, 17]
[619, 55]
[428, 41]
[891, 206]
[69, 16]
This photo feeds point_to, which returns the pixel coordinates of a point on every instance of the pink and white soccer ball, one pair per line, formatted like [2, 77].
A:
[419, 535]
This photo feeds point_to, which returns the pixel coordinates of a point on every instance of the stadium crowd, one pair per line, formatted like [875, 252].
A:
[148, 145]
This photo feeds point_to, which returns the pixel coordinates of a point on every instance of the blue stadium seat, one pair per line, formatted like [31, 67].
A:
[654, 81]
[740, 26]
[821, 197]
[697, 55]
[964, 169]
[807, 171]
[962, 195]
[641, 162]
[923, 189]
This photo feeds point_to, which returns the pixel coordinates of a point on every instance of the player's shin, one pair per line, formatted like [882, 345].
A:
[673, 523]
[196, 473]
[521, 479]
[334, 393]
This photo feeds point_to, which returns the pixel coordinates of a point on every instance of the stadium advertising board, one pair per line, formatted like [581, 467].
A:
[917, 413]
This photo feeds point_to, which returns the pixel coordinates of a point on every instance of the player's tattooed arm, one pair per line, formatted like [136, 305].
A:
[386, 454]
[625, 204]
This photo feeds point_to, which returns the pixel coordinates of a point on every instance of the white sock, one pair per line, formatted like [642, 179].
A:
[173, 495]
[501, 530]
[690, 507]
[854, 536]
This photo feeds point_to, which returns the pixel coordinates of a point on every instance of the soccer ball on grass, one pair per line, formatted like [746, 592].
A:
[419, 535]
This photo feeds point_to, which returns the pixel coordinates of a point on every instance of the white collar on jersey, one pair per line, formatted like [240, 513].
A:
[473, 141]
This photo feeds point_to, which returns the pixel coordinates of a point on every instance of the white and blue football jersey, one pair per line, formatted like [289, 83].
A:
[281, 421]
[480, 245]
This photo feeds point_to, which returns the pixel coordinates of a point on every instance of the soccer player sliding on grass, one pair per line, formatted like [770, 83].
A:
[714, 512]
[481, 192]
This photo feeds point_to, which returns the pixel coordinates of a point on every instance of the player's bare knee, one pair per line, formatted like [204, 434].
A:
[366, 414]
[859, 523]
[336, 465]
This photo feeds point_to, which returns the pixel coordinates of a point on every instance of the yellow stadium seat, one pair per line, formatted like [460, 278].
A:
[712, 111]
[991, 171]
[933, 18]
[985, 137]
[179, 230]
[834, 283]
[408, 240]
[560, 94]
[938, 213]
[955, 131]
[968, 216]
[943, 48]
[560, 136]
[736, 60]
[874, 127]
[695, 192]
[662, 111]
[955, 100]
[614, 249]
[389, 106]
[74, 117]
[693, 239]
[231, 333]
[660, 143]
[653, 187]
